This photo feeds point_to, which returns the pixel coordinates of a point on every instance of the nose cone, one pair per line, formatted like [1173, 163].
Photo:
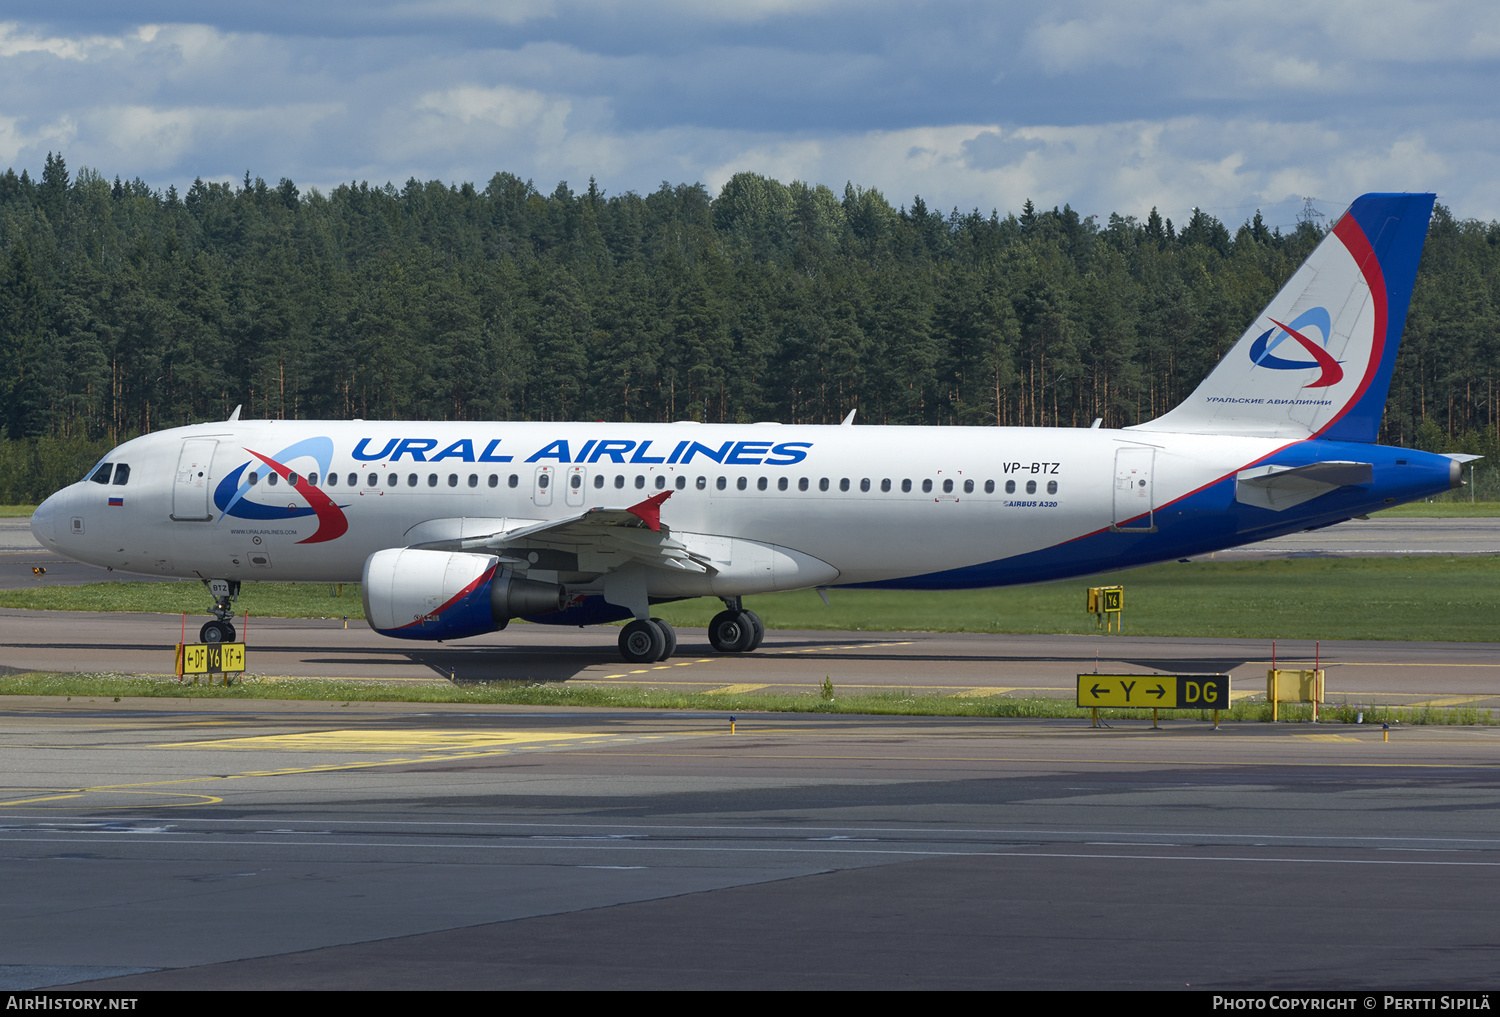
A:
[44, 522]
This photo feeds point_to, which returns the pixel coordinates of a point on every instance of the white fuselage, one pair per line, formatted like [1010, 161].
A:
[876, 504]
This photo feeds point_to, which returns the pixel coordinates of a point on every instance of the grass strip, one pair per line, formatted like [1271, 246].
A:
[1441, 510]
[896, 702]
[1436, 598]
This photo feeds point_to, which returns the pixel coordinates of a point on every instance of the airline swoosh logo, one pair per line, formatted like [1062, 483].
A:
[332, 523]
[232, 496]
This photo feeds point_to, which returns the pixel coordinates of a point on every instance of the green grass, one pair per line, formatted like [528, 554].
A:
[1441, 510]
[897, 702]
[1435, 598]
[14, 511]
[275, 600]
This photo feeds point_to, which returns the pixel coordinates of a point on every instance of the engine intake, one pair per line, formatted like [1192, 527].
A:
[415, 594]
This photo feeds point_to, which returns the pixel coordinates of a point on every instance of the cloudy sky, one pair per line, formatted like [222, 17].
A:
[1111, 105]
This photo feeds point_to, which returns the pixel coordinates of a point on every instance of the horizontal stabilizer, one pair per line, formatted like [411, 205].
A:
[1279, 488]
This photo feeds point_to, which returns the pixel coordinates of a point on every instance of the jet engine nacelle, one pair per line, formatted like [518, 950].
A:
[415, 594]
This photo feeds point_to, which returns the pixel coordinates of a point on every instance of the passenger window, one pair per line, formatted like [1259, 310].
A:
[473, 480]
[721, 483]
[823, 484]
[640, 481]
[353, 480]
[702, 483]
[681, 483]
[101, 475]
[781, 484]
[453, 480]
[390, 481]
[254, 478]
[968, 487]
[598, 480]
[371, 480]
[661, 482]
[291, 478]
[122, 474]
[906, 487]
[312, 480]
[513, 481]
[1031, 487]
[802, 484]
[575, 481]
[620, 481]
[432, 480]
[411, 480]
[947, 487]
[760, 485]
[494, 480]
[844, 484]
[864, 485]
[333, 480]
[741, 483]
[885, 485]
[542, 481]
[926, 487]
[1051, 487]
[989, 487]
[271, 479]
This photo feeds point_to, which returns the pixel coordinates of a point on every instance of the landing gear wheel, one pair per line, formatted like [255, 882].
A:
[731, 631]
[669, 634]
[216, 632]
[642, 642]
[760, 631]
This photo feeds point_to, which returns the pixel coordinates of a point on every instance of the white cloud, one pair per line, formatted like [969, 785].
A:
[14, 41]
[1117, 105]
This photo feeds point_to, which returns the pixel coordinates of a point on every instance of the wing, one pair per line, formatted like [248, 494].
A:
[598, 540]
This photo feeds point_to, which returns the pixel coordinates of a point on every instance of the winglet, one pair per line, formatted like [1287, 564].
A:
[649, 510]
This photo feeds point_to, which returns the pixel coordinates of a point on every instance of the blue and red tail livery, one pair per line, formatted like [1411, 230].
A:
[1317, 362]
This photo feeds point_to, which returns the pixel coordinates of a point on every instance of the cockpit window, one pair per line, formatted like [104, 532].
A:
[122, 474]
[101, 475]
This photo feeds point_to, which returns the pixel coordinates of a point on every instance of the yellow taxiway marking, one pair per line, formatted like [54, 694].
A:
[80, 792]
[356, 740]
[981, 692]
[1451, 701]
[851, 646]
[729, 690]
[1327, 738]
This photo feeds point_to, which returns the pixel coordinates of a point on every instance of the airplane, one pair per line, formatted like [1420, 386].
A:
[455, 528]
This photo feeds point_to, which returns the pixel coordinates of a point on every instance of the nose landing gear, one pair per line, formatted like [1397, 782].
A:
[221, 629]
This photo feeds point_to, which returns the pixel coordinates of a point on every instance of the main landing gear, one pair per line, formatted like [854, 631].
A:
[643, 642]
[221, 629]
[733, 630]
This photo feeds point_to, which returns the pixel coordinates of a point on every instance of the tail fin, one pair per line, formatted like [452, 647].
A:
[1317, 362]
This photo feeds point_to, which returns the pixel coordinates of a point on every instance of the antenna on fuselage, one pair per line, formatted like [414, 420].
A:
[236, 414]
[850, 418]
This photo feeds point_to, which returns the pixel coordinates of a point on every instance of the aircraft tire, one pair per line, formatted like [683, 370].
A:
[669, 634]
[731, 632]
[642, 642]
[760, 631]
[216, 632]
